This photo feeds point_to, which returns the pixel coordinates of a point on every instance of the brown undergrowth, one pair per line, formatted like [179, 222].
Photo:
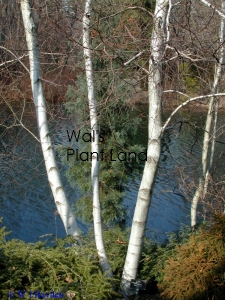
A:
[55, 84]
[197, 269]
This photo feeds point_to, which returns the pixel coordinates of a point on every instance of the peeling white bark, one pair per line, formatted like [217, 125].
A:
[207, 157]
[103, 260]
[58, 192]
[158, 43]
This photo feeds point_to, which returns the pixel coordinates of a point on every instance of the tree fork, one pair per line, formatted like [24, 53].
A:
[159, 36]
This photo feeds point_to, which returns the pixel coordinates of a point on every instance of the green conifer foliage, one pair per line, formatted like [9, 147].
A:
[59, 268]
[118, 32]
[188, 266]
[118, 129]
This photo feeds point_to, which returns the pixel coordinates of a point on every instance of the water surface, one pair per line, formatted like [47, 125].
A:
[26, 203]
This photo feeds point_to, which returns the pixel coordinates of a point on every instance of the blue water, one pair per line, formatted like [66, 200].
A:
[26, 203]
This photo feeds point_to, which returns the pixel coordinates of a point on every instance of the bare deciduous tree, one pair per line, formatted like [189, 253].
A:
[154, 146]
[58, 192]
[95, 130]
[210, 130]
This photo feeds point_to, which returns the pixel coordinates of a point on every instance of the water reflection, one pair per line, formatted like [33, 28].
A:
[169, 207]
[26, 202]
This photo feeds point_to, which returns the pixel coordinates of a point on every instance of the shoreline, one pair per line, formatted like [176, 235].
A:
[169, 103]
[52, 96]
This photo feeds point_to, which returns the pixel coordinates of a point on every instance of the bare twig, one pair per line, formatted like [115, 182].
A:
[133, 58]
[12, 61]
[213, 7]
[185, 103]
[20, 121]
[126, 9]
[17, 58]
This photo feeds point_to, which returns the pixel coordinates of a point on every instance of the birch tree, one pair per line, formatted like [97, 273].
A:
[94, 143]
[210, 130]
[158, 40]
[55, 183]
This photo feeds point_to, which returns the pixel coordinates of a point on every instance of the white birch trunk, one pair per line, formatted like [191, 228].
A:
[213, 143]
[212, 110]
[58, 192]
[154, 146]
[94, 144]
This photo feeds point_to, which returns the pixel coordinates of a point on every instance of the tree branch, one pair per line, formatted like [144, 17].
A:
[182, 54]
[213, 7]
[185, 103]
[20, 121]
[17, 58]
[128, 8]
[133, 58]
[12, 60]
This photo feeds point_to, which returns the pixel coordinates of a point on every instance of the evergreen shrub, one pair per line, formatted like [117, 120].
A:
[155, 255]
[73, 271]
[119, 131]
[188, 266]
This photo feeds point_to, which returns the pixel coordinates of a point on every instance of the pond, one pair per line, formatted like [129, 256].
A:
[26, 203]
